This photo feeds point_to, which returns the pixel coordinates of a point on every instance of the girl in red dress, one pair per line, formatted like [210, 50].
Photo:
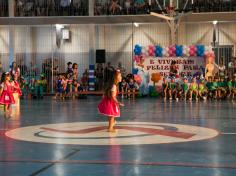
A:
[16, 86]
[6, 92]
[109, 106]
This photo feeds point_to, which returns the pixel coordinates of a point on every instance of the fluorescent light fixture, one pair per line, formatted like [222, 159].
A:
[215, 22]
[59, 26]
[136, 24]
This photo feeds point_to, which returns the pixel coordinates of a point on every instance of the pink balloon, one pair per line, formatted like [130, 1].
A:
[191, 52]
[150, 52]
[151, 47]
[212, 54]
[137, 58]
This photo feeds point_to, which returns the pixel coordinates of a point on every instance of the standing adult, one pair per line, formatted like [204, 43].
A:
[221, 68]
[108, 72]
[99, 76]
[122, 69]
[14, 70]
[173, 69]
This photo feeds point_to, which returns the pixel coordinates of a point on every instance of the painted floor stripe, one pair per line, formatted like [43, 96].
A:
[221, 166]
[152, 131]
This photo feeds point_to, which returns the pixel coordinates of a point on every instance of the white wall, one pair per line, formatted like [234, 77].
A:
[39, 42]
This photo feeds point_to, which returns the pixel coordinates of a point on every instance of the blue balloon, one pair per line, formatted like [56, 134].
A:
[135, 71]
[200, 50]
[158, 52]
[136, 46]
[137, 49]
[179, 50]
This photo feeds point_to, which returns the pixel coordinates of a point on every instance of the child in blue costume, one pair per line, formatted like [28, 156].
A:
[59, 87]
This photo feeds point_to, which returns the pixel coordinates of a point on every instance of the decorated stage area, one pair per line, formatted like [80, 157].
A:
[155, 137]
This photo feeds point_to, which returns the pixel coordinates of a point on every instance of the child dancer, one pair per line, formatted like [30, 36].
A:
[164, 87]
[6, 93]
[69, 85]
[202, 91]
[109, 106]
[234, 87]
[123, 87]
[171, 88]
[132, 87]
[17, 86]
[216, 86]
[178, 90]
[193, 89]
[64, 86]
[185, 87]
[210, 87]
[222, 91]
[59, 87]
[75, 86]
[230, 86]
[17, 90]
[41, 86]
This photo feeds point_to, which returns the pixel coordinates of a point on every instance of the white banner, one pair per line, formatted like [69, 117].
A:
[186, 65]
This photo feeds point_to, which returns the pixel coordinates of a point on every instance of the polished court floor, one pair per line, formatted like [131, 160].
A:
[154, 138]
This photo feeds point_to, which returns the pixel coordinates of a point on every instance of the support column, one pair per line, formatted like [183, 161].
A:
[91, 7]
[11, 5]
[92, 38]
[92, 57]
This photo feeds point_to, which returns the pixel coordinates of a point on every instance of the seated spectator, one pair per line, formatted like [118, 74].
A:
[84, 80]
[29, 8]
[127, 5]
[139, 5]
[41, 6]
[19, 8]
[64, 7]
[115, 7]
[98, 8]
[76, 4]
[132, 87]
[123, 87]
[69, 68]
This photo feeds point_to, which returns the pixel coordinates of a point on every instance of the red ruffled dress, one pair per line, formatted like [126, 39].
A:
[108, 106]
[6, 97]
[17, 88]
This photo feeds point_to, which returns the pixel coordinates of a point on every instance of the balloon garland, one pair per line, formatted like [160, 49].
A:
[172, 51]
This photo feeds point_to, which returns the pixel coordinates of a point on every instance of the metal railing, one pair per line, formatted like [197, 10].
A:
[133, 7]
[51, 8]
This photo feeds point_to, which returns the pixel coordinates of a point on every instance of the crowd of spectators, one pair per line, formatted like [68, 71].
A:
[109, 7]
[51, 8]
[133, 7]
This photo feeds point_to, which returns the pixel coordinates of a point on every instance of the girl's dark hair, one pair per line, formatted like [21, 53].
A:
[13, 64]
[74, 64]
[111, 82]
[4, 75]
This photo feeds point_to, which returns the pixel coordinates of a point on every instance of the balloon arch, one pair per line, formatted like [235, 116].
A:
[156, 57]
